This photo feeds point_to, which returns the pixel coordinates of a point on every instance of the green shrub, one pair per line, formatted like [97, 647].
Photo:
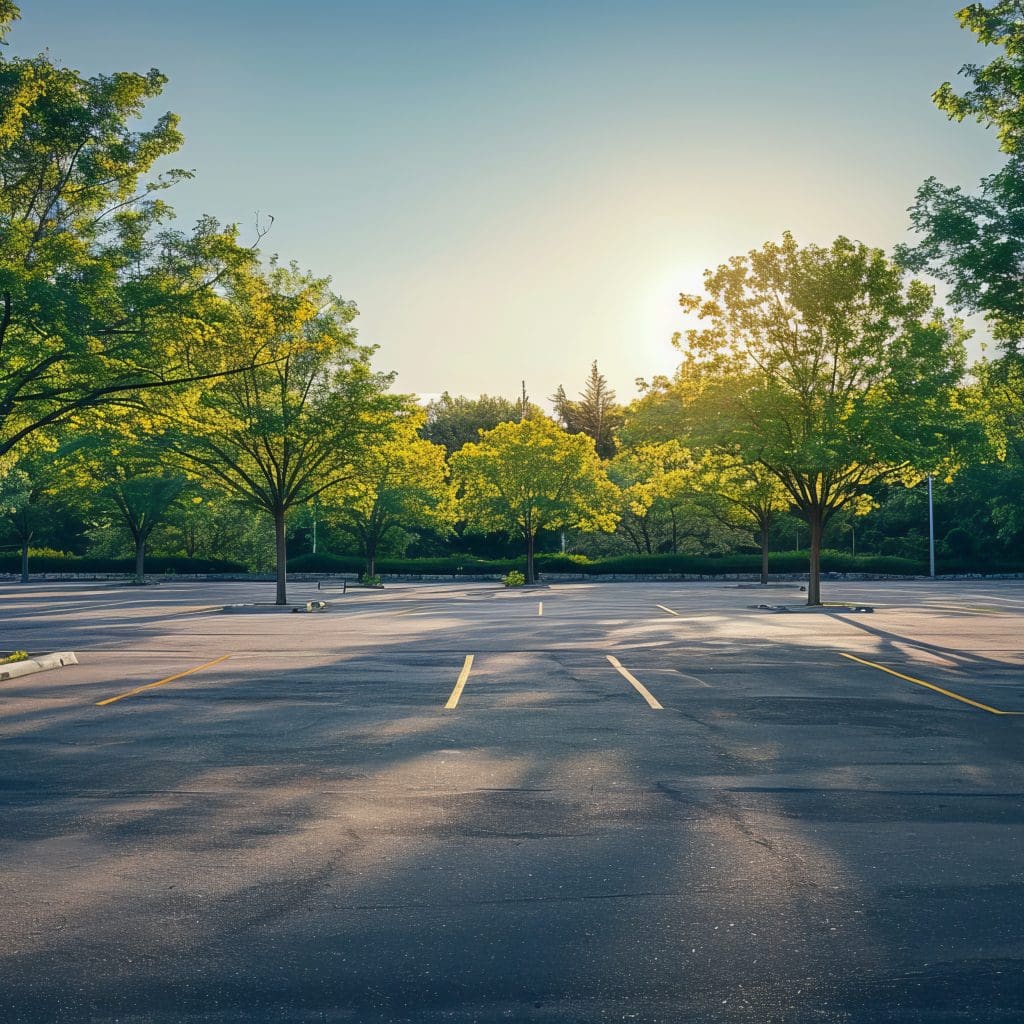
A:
[14, 656]
[689, 565]
[370, 581]
[58, 562]
[324, 561]
[514, 579]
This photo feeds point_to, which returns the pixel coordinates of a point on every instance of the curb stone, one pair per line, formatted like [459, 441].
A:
[264, 609]
[42, 663]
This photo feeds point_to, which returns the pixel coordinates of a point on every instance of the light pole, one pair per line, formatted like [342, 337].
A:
[853, 539]
[931, 531]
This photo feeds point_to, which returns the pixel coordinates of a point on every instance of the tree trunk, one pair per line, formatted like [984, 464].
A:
[140, 559]
[764, 553]
[371, 559]
[24, 561]
[529, 557]
[815, 520]
[281, 547]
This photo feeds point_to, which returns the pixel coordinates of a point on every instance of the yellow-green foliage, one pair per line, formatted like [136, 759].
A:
[532, 475]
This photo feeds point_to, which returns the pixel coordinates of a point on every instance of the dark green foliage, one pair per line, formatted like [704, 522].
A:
[155, 564]
[456, 420]
[975, 244]
[467, 565]
[690, 565]
[595, 413]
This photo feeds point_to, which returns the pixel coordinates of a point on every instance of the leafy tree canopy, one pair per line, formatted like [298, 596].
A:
[293, 424]
[97, 298]
[401, 483]
[455, 420]
[996, 98]
[819, 364]
[532, 475]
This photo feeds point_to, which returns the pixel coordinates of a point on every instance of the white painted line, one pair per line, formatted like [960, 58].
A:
[696, 679]
[540, 607]
[989, 597]
[637, 685]
[664, 609]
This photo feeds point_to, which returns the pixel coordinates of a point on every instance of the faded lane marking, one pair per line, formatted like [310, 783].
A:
[540, 607]
[161, 682]
[637, 685]
[460, 684]
[409, 611]
[931, 686]
[696, 679]
[664, 609]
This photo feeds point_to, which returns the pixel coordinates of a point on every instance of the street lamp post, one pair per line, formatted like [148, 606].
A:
[931, 531]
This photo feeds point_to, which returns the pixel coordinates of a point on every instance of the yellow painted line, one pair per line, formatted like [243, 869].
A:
[664, 609]
[931, 686]
[460, 684]
[637, 685]
[540, 607]
[161, 682]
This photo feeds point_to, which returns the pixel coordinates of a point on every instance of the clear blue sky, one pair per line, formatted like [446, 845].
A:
[511, 189]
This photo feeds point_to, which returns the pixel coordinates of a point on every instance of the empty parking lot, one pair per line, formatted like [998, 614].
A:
[589, 802]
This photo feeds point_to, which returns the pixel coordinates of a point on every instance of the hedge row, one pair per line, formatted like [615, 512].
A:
[154, 564]
[710, 565]
[469, 565]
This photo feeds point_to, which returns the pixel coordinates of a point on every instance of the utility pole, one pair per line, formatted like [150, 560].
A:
[522, 407]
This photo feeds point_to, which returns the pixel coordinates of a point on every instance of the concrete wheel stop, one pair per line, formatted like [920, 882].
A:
[37, 663]
[264, 608]
[805, 608]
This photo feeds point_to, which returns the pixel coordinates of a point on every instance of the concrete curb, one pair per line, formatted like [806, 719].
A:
[43, 663]
[264, 609]
[804, 609]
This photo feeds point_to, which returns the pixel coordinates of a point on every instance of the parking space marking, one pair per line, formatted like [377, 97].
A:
[540, 607]
[1001, 600]
[664, 609]
[931, 686]
[696, 679]
[408, 611]
[460, 684]
[161, 682]
[637, 685]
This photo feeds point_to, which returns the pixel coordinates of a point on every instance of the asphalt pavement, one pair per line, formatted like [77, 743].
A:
[458, 803]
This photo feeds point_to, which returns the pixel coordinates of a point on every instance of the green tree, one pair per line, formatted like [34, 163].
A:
[743, 495]
[208, 522]
[121, 478]
[97, 299]
[662, 505]
[995, 99]
[455, 420]
[822, 367]
[25, 505]
[528, 476]
[975, 243]
[401, 483]
[293, 424]
[595, 413]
